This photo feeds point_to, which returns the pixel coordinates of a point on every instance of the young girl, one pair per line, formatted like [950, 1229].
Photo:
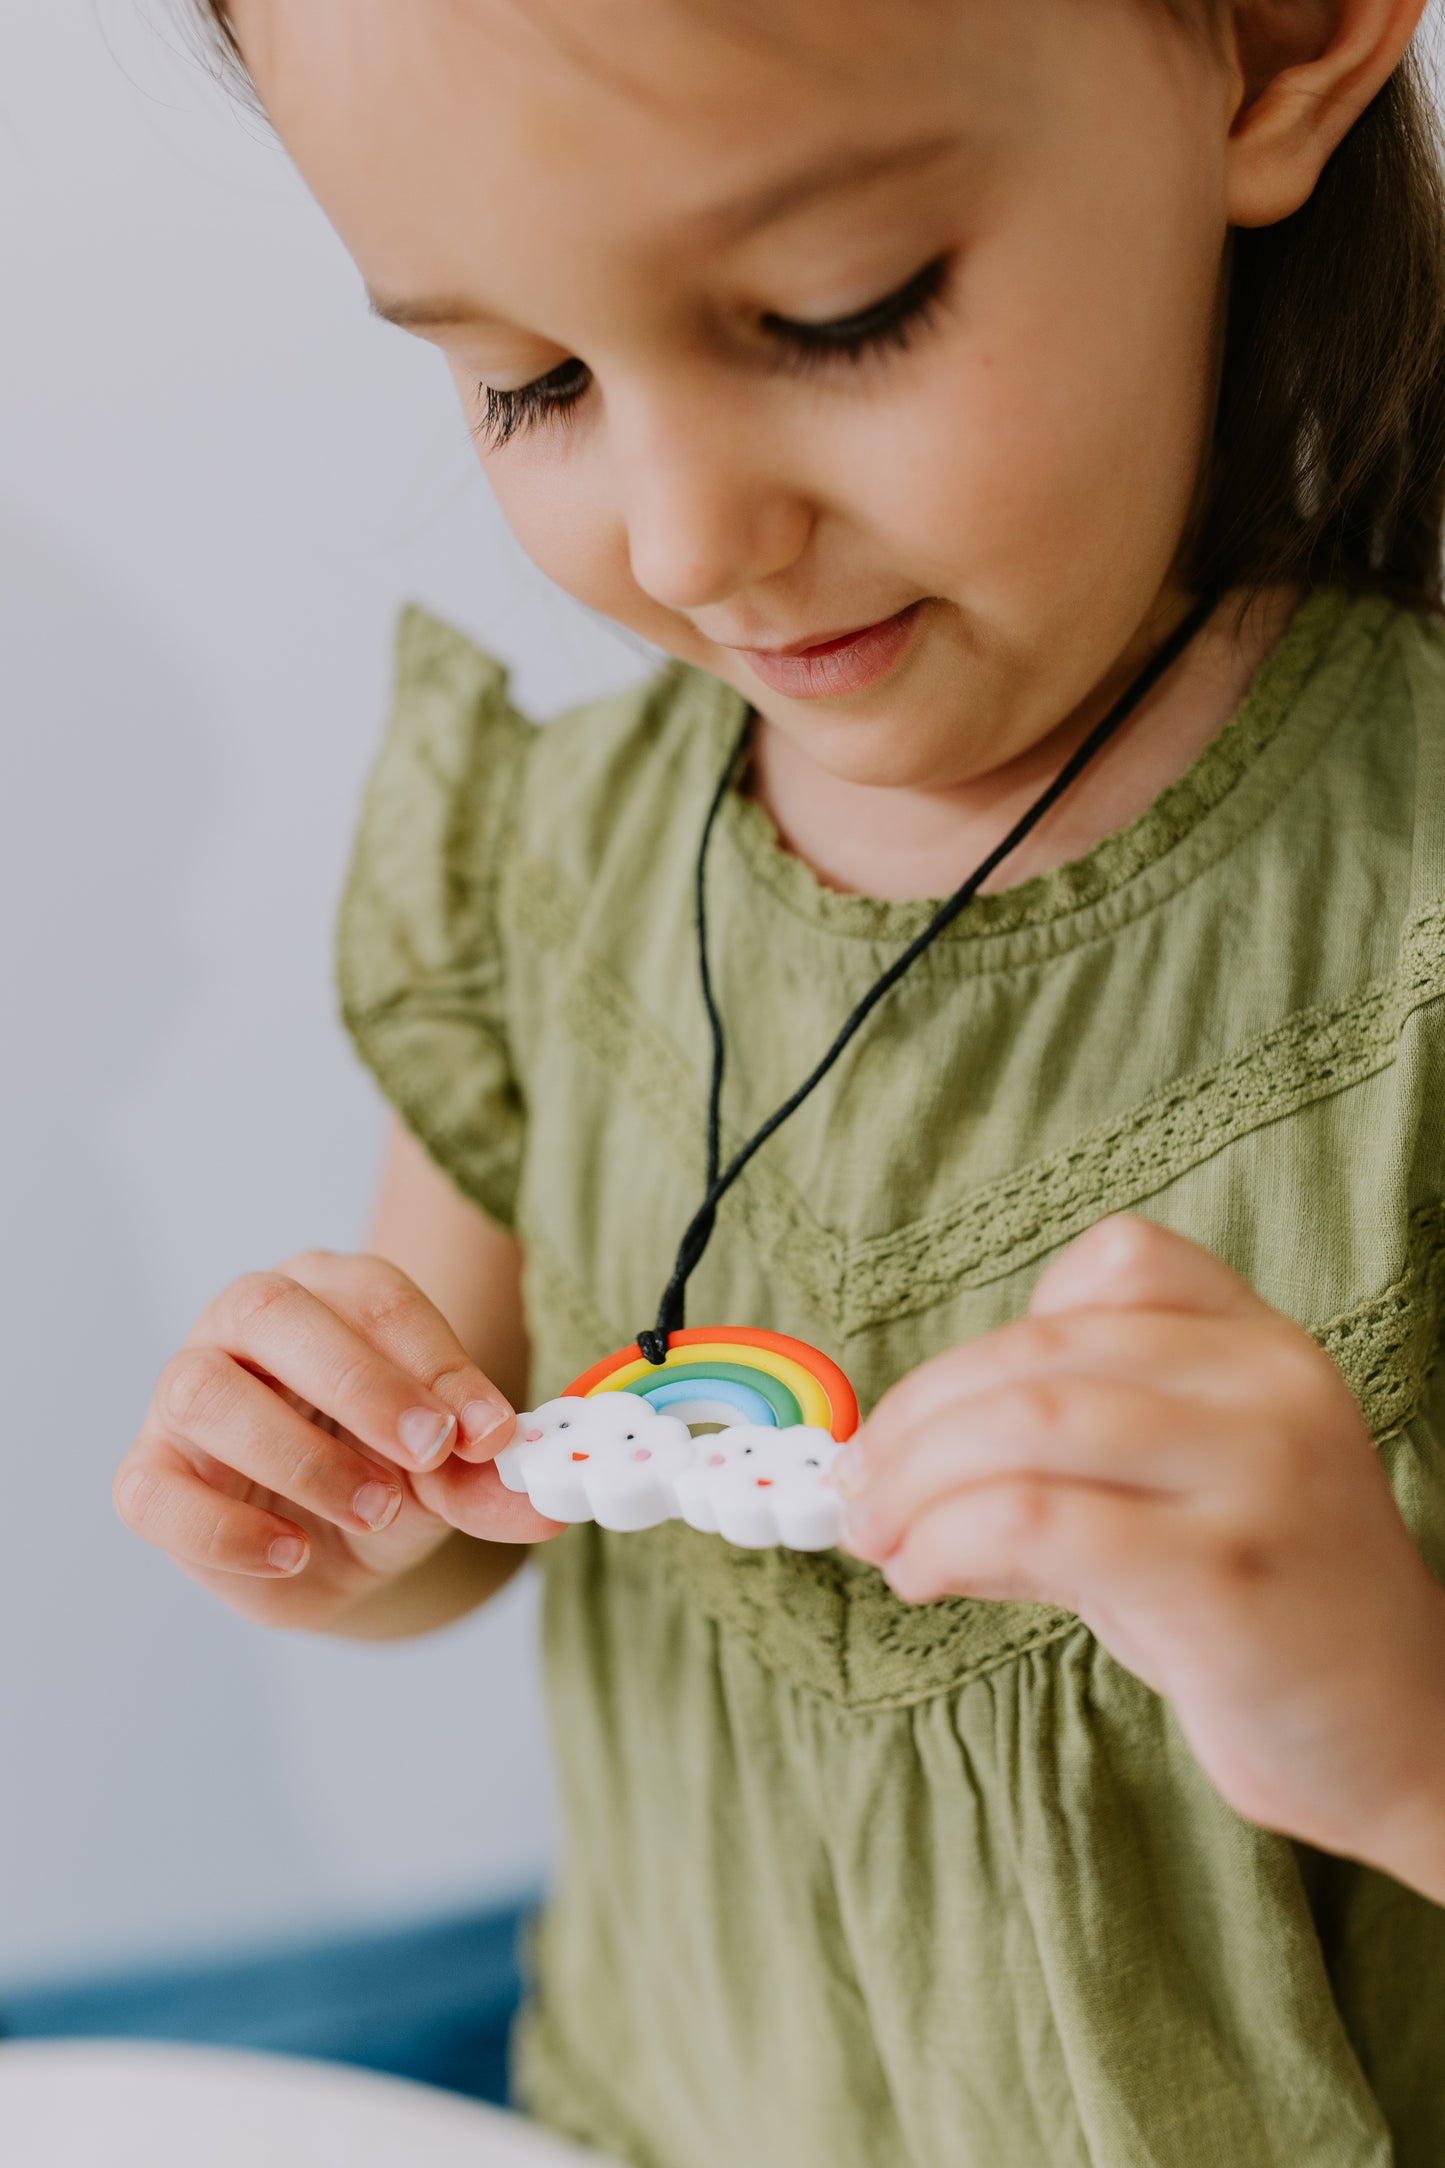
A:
[917, 373]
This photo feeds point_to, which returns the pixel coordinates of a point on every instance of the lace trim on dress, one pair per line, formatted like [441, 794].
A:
[1026, 1213]
[997, 1228]
[1387, 1348]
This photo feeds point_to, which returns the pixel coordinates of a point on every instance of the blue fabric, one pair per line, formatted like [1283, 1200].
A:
[433, 2002]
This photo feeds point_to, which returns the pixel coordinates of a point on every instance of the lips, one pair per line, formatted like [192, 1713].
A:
[848, 663]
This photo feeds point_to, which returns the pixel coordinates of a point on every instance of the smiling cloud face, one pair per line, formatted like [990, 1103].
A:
[611, 1459]
[757, 1487]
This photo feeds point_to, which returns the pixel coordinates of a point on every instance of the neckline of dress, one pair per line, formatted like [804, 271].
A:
[1325, 620]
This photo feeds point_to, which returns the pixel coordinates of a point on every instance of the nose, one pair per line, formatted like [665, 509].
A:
[710, 505]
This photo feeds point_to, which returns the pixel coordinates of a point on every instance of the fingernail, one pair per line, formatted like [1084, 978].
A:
[480, 1418]
[377, 1504]
[848, 1472]
[424, 1433]
[288, 1554]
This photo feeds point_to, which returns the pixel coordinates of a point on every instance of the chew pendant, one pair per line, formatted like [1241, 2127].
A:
[616, 1448]
[730, 1374]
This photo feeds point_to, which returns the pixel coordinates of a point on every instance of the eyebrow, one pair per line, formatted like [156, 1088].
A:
[728, 221]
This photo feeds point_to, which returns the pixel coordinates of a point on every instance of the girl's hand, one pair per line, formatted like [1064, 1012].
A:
[1157, 1450]
[320, 1433]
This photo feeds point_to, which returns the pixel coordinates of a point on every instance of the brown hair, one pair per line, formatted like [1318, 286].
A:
[1328, 462]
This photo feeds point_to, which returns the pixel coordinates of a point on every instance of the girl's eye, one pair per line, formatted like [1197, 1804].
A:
[891, 322]
[505, 413]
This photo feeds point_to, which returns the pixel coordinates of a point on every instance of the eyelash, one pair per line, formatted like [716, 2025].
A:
[890, 323]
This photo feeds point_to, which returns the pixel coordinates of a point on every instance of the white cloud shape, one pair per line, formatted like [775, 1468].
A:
[755, 1487]
[611, 1459]
[614, 1459]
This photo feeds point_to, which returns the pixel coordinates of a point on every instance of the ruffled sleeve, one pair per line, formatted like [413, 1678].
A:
[420, 964]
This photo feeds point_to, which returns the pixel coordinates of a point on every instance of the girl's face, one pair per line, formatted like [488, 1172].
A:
[629, 225]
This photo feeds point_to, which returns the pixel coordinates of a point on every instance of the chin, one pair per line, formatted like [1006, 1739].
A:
[879, 752]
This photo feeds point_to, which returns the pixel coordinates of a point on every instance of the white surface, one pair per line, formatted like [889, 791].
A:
[218, 480]
[78, 2105]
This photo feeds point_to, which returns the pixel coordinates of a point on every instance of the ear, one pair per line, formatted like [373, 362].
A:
[1306, 69]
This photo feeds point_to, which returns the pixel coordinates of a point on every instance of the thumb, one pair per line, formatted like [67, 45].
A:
[1127, 1263]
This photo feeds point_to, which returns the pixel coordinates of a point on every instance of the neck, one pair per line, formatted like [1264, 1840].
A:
[905, 844]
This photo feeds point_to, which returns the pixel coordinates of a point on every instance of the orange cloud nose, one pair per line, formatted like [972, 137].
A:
[581, 1456]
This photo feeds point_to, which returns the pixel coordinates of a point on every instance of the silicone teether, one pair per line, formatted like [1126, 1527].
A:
[616, 1448]
[611, 1460]
[756, 1486]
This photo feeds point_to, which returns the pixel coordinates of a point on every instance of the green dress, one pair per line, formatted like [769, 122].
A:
[845, 1882]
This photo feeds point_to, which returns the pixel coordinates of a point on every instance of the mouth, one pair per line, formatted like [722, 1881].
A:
[846, 662]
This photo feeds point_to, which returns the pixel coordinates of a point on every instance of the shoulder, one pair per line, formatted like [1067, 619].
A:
[1343, 810]
[622, 782]
[464, 777]
[1390, 762]
[574, 788]
[478, 822]
[1420, 644]
[490, 851]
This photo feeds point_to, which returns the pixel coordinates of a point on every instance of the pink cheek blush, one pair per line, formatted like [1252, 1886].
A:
[717, 1460]
[532, 1436]
[644, 1452]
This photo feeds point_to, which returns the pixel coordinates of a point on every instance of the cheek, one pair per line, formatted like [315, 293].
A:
[1092, 317]
[561, 517]
[560, 520]
[1059, 427]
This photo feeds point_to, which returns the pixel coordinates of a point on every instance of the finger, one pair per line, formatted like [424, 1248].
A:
[1125, 1436]
[378, 1300]
[271, 1322]
[162, 1500]
[477, 1501]
[207, 1403]
[1129, 1263]
[1186, 1357]
[1033, 1539]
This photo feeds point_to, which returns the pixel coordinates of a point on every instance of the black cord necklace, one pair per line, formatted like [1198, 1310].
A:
[671, 1313]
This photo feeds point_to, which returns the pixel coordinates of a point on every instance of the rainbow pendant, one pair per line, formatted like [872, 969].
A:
[732, 1374]
[616, 1447]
